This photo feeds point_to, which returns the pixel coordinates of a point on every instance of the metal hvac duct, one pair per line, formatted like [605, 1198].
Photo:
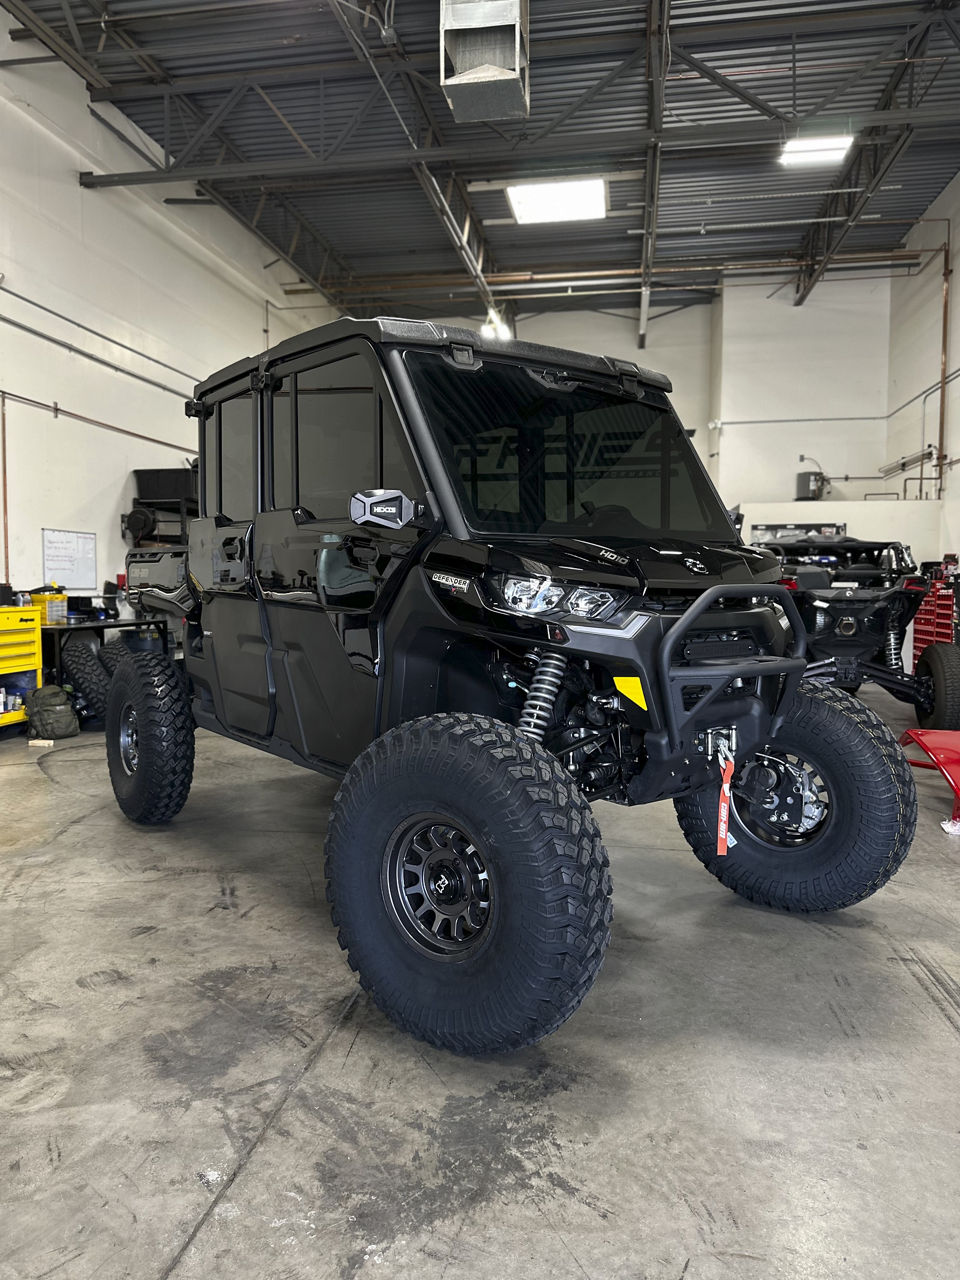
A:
[484, 69]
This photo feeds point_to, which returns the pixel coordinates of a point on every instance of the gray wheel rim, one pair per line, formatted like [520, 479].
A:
[437, 887]
[129, 739]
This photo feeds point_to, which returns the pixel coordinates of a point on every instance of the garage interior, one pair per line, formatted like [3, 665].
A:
[192, 1082]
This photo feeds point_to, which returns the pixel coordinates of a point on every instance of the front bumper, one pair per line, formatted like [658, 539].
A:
[685, 699]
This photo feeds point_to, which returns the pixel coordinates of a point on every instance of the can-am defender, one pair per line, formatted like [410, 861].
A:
[485, 584]
[857, 599]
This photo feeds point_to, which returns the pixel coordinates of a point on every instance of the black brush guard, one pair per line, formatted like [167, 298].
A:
[717, 673]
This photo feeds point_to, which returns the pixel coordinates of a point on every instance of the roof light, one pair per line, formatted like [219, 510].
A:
[579, 200]
[495, 327]
[815, 150]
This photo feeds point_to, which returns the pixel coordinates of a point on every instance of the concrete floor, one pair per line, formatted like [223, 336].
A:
[191, 1084]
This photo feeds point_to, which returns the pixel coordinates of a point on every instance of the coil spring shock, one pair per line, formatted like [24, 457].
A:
[538, 708]
[892, 647]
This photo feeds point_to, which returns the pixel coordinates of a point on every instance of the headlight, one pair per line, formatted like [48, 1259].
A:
[543, 595]
[531, 595]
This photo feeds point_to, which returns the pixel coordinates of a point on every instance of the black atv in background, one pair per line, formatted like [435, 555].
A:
[856, 600]
[485, 584]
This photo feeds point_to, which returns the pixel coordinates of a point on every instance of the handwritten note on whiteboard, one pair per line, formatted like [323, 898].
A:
[70, 559]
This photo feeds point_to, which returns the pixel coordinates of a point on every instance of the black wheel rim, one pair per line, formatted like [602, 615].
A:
[437, 887]
[796, 811]
[129, 739]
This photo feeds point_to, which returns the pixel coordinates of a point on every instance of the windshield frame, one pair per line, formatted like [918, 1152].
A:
[724, 532]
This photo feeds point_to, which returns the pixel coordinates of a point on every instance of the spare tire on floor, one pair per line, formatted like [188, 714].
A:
[112, 654]
[84, 671]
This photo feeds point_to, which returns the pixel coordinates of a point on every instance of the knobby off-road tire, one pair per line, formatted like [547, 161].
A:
[469, 883]
[86, 675]
[111, 655]
[150, 732]
[855, 847]
[940, 663]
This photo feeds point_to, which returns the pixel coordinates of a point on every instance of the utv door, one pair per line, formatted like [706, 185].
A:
[333, 431]
[231, 668]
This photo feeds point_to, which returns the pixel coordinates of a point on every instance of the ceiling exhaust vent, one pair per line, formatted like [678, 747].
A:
[484, 69]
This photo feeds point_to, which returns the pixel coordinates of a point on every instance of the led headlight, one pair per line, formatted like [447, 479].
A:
[531, 595]
[543, 595]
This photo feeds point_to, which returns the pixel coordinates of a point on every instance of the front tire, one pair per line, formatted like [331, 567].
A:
[938, 672]
[150, 738]
[469, 883]
[845, 817]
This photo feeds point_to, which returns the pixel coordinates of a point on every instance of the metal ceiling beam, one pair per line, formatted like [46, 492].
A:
[729, 86]
[595, 149]
[37, 29]
[208, 127]
[719, 33]
[79, 64]
[594, 91]
[463, 228]
[891, 51]
[874, 154]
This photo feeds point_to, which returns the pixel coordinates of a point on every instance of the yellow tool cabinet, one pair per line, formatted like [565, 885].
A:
[19, 652]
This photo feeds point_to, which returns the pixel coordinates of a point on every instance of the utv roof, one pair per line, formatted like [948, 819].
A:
[824, 541]
[388, 331]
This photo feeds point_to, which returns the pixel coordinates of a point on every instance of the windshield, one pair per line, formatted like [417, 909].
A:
[534, 451]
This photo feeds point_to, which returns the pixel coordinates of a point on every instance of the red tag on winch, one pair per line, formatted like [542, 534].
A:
[723, 816]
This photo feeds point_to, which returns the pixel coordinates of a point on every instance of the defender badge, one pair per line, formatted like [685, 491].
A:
[448, 580]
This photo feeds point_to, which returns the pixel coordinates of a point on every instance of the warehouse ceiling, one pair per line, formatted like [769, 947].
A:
[328, 135]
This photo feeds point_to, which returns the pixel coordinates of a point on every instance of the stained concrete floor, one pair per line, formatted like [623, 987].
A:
[191, 1084]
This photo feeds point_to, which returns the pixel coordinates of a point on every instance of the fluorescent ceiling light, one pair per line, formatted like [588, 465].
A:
[809, 150]
[579, 200]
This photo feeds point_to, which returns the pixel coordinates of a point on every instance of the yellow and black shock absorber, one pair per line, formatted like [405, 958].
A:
[546, 684]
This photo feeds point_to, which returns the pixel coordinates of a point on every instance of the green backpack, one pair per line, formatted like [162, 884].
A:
[50, 713]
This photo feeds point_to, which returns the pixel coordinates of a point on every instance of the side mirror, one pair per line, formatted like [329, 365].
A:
[388, 507]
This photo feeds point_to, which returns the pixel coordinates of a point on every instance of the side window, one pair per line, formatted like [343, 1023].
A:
[283, 449]
[238, 459]
[398, 469]
[337, 445]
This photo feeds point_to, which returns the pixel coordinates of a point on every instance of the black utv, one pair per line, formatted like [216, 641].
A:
[856, 600]
[485, 584]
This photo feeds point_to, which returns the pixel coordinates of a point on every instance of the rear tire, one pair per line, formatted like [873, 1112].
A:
[150, 734]
[469, 883]
[940, 664]
[860, 821]
[86, 675]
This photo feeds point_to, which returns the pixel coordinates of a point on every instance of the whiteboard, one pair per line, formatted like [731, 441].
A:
[70, 559]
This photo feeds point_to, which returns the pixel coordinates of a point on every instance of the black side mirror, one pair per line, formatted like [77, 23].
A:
[388, 507]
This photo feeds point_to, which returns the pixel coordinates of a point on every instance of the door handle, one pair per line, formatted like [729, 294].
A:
[365, 554]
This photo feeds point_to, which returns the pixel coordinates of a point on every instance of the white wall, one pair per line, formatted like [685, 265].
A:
[792, 380]
[916, 314]
[186, 286]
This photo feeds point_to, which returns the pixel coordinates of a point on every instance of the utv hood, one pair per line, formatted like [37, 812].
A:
[672, 564]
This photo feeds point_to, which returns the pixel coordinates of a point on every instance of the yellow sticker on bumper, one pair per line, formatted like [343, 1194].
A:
[632, 688]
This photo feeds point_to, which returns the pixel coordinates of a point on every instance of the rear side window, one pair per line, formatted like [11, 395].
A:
[238, 459]
[337, 430]
[229, 443]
